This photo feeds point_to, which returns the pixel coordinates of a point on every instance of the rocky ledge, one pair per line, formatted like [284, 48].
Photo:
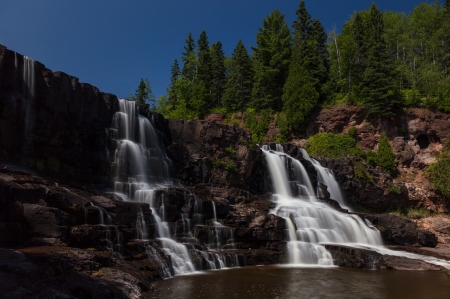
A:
[363, 258]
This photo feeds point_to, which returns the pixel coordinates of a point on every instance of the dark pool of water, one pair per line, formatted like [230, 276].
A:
[277, 282]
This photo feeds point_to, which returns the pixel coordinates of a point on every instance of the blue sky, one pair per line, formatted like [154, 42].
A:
[111, 44]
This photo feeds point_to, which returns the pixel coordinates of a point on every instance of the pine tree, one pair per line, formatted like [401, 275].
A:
[175, 75]
[271, 62]
[378, 74]
[204, 62]
[217, 73]
[320, 57]
[144, 93]
[300, 96]
[189, 59]
[238, 90]
[312, 43]
[358, 67]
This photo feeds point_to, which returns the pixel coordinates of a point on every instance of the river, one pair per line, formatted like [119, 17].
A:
[280, 282]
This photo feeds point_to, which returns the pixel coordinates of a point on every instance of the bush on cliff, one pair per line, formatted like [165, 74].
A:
[439, 172]
[330, 145]
[385, 156]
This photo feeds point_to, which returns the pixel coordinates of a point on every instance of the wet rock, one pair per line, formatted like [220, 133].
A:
[350, 257]
[397, 230]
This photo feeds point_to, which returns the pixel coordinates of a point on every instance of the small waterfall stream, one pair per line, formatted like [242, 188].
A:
[310, 222]
[141, 170]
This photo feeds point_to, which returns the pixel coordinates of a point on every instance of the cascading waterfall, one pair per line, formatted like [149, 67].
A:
[310, 222]
[142, 168]
[326, 176]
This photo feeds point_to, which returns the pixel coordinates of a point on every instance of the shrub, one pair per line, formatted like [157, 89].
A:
[258, 128]
[330, 145]
[231, 151]
[439, 172]
[361, 172]
[352, 132]
[385, 156]
[283, 127]
[417, 213]
[230, 167]
[393, 188]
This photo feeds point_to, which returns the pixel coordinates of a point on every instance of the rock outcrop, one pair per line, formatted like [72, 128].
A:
[361, 258]
[51, 122]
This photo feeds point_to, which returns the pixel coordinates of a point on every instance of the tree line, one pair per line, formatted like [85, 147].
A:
[382, 61]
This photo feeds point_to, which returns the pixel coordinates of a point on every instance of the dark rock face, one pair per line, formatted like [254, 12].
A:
[212, 153]
[350, 257]
[59, 128]
[397, 230]
[380, 193]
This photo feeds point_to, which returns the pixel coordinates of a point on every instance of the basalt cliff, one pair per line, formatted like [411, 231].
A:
[65, 233]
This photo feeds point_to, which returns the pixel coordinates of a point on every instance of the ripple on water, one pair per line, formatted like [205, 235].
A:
[273, 282]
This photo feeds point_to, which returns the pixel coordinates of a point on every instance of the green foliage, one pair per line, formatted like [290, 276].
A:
[257, 127]
[218, 72]
[418, 213]
[352, 131]
[330, 145]
[310, 48]
[377, 54]
[300, 96]
[371, 158]
[230, 167]
[204, 67]
[412, 213]
[231, 151]
[283, 127]
[271, 62]
[361, 172]
[217, 163]
[385, 155]
[189, 59]
[144, 94]
[238, 90]
[439, 172]
[393, 188]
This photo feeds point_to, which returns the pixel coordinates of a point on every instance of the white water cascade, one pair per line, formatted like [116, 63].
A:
[311, 223]
[142, 168]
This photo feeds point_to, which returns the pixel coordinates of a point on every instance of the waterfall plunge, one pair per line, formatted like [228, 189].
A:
[141, 169]
[311, 223]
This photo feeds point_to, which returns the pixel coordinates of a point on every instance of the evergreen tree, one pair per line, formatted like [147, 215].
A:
[271, 62]
[359, 56]
[300, 96]
[385, 156]
[204, 62]
[218, 73]
[312, 43]
[144, 93]
[189, 59]
[175, 75]
[238, 91]
[378, 74]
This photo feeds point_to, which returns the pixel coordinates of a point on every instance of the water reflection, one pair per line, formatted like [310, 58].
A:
[278, 282]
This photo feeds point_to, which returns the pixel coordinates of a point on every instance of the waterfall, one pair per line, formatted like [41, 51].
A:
[142, 168]
[326, 176]
[311, 223]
